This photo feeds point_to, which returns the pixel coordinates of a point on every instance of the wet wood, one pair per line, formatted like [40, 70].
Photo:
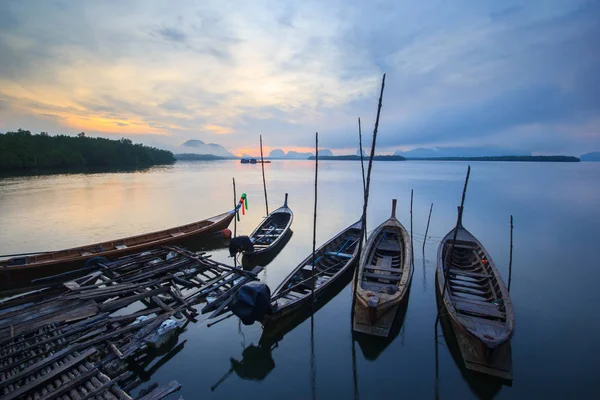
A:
[162, 392]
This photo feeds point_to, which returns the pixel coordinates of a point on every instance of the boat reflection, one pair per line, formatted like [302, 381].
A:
[144, 366]
[483, 386]
[257, 361]
[262, 260]
[372, 346]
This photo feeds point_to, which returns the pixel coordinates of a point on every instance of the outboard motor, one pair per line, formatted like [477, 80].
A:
[252, 302]
[240, 244]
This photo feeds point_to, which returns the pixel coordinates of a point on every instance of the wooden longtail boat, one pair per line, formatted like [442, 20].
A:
[477, 303]
[269, 234]
[332, 260]
[384, 277]
[23, 270]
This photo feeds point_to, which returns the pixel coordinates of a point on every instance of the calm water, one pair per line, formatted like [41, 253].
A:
[554, 287]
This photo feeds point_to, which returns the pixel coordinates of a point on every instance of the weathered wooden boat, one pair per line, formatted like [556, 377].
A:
[477, 303]
[22, 270]
[269, 234]
[333, 260]
[384, 277]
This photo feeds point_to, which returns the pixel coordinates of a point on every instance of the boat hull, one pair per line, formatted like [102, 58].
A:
[24, 275]
[377, 319]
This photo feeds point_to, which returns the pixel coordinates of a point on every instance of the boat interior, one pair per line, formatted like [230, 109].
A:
[271, 229]
[329, 260]
[472, 285]
[383, 268]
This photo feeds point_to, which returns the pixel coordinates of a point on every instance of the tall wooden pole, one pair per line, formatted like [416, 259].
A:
[511, 252]
[427, 229]
[366, 197]
[411, 228]
[315, 214]
[234, 209]
[262, 163]
[446, 268]
[362, 165]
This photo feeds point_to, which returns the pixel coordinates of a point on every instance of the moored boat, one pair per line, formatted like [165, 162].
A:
[22, 270]
[384, 277]
[332, 261]
[269, 234]
[477, 302]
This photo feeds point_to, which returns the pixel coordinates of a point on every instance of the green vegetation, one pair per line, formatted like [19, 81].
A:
[23, 151]
[355, 157]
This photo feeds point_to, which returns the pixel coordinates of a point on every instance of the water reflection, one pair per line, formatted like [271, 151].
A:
[257, 361]
[483, 386]
[373, 346]
[249, 262]
[149, 362]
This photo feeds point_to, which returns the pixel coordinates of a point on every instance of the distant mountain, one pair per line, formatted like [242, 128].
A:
[199, 147]
[593, 156]
[298, 156]
[364, 154]
[459, 152]
[277, 153]
[325, 153]
[197, 157]
[247, 156]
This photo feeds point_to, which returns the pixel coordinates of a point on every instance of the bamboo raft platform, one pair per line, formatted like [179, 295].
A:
[76, 340]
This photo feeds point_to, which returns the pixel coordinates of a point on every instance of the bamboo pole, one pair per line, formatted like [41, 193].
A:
[411, 228]
[458, 225]
[366, 198]
[262, 163]
[427, 229]
[362, 165]
[235, 217]
[315, 214]
[511, 253]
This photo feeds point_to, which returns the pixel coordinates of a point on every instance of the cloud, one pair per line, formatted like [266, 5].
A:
[459, 73]
[172, 34]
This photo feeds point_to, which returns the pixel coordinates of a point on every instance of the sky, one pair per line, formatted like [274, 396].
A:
[516, 75]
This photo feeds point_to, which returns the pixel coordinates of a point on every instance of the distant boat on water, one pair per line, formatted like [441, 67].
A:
[254, 161]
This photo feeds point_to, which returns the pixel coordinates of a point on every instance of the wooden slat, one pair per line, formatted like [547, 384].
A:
[480, 309]
[381, 276]
[51, 374]
[469, 273]
[162, 391]
[376, 268]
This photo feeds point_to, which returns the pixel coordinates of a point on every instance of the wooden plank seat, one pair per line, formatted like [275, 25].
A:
[481, 308]
[344, 255]
[385, 269]
[382, 276]
[469, 273]
[476, 292]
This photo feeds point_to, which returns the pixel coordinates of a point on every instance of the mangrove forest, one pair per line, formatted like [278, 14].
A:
[22, 150]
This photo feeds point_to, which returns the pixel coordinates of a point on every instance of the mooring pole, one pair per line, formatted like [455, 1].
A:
[262, 163]
[363, 232]
[427, 229]
[511, 252]
[458, 225]
[235, 217]
[411, 229]
[362, 165]
[315, 214]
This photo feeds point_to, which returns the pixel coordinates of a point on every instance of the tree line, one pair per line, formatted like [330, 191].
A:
[22, 150]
